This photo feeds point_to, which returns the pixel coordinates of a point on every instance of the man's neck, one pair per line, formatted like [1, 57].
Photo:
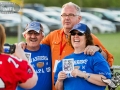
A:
[33, 48]
[66, 31]
[78, 50]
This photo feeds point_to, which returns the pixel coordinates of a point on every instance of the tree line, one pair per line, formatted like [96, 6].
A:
[81, 3]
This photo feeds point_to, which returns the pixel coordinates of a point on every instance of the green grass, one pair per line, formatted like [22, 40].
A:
[110, 41]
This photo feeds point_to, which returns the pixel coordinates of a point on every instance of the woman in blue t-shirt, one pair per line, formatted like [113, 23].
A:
[78, 71]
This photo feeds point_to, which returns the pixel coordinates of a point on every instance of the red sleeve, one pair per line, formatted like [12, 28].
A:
[13, 71]
[21, 70]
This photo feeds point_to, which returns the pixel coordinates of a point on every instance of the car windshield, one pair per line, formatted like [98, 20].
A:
[12, 16]
[38, 15]
[91, 17]
[109, 15]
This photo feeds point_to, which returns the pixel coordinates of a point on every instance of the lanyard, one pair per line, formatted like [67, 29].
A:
[62, 46]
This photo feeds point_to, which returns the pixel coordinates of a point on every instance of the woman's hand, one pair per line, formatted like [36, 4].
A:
[61, 76]
[77, 72]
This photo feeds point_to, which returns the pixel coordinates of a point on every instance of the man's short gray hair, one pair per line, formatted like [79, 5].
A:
[74, 5]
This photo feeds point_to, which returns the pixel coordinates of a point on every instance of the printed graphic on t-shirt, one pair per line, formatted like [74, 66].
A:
[68, 65]
[41, 64]
[55, 66]
[28, 55]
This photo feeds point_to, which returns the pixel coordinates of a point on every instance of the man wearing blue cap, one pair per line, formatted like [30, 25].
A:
[88, 70]
[39, 55]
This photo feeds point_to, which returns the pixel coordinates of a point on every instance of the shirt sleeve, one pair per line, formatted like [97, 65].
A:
[58, 69]
[101, 66]
[46, 40]
[110, 58]
[21, 70]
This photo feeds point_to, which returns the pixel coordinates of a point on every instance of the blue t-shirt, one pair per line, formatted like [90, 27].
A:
[95, 64]
[41, 62]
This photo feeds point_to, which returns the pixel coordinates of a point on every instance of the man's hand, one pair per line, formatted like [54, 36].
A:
[23, 45]
[91, 49]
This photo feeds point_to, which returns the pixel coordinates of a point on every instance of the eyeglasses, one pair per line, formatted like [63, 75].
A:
[79, 34]
[69, 15]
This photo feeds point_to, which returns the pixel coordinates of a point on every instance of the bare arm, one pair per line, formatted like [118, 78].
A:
[59, 83]
[31, 82]
[92, 78]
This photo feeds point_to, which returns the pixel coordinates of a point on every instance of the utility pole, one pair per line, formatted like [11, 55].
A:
[21, 4]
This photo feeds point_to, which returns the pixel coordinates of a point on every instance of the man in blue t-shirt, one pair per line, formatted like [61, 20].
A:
[39, 55]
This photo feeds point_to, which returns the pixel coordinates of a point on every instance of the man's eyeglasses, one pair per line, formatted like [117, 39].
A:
[79, 34]
[69, 15]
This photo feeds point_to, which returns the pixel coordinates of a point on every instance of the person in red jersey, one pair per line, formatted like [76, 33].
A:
[14, 68]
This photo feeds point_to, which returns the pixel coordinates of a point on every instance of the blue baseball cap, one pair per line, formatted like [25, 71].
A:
[81, 28]
[34, 25]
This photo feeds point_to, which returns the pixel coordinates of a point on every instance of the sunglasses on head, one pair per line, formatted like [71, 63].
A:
[78, 33]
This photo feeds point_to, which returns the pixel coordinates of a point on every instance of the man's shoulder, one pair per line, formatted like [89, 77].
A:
[58, 31]
[45, 47]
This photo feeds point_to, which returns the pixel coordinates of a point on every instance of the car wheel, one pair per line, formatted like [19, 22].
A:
[95, 30]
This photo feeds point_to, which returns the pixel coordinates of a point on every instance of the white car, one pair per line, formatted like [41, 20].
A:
[117, 14]
[45, 29]
[16, 20]
[96, 24]
[38, 16]
[54, 15]
[19, 22]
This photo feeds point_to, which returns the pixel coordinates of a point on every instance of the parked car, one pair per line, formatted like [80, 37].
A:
[46, 28]
[37, 16]
[96, 24]
[117, 14]
[9, 25]
[35, 6]
[103, 14]
[17, 20]
[54, 15]
[52, 9]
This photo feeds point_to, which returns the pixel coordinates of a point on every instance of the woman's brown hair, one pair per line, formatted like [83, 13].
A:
[2, 38]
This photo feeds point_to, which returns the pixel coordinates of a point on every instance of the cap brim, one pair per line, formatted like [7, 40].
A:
[77, 30]
[38, 31]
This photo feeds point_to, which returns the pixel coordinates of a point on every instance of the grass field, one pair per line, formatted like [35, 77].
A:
[110, 41]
